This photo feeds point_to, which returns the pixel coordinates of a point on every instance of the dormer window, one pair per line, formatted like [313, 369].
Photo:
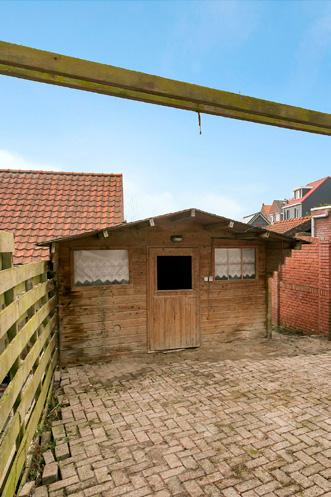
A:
[301, 192]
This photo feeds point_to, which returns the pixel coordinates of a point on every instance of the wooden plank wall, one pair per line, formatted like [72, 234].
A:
[96, 322]
[28, 354]
[232, 309]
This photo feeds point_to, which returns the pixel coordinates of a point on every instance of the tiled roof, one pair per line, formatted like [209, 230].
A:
[36, 205]
[314, 185]
[289, 225]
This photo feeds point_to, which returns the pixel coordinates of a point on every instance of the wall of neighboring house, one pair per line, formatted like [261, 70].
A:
[301, 289]
[293, 211]
[322, 196]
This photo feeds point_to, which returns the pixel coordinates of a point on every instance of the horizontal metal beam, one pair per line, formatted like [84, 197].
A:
[48, 67]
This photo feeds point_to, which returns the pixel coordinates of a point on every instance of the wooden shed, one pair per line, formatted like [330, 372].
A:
[169, 282]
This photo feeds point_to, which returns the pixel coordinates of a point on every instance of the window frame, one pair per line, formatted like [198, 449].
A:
[236, 280]
[109, 285]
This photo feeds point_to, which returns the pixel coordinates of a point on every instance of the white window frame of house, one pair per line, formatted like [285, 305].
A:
[235, 264]
[99, 267]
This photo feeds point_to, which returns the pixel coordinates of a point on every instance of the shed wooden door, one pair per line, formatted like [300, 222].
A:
[173, 298]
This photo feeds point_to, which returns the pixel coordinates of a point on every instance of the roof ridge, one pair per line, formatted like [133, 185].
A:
[43, 171]
[320, 180]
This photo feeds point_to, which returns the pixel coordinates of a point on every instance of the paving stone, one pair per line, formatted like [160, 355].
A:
[59, 485]
[45, 439]
[57, 493]
[58, 432]
[67, 470]
[62, 451]
[119, 477]
[85, 472]
[230, 492]
[40, 492]
[48, 456]
[188, 428]
[27, 489]
[50, 473]
[102, 474]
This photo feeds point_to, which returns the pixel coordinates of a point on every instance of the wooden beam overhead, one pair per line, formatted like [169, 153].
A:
[48, 67]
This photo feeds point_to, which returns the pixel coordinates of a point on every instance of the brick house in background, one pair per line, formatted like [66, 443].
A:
[35, 205]
[305, 198]
[301, 289]
[275, 211]
[269, 213]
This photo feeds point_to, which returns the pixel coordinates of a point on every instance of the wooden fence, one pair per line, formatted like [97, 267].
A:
[28, 354]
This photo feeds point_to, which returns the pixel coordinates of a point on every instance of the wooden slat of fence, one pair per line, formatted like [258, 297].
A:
[17, 422]
[28, 357]
[15, 275]
[17, 345]
[16, 469]
[14, 388]
[6, 242]
[10, 314]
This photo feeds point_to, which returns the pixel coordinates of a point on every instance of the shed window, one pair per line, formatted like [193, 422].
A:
[101, 267]
[235, 264]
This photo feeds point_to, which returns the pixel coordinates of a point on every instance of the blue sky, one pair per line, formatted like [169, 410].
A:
[275, 50]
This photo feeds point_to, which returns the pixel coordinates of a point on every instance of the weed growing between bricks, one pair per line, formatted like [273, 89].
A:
[43, 451]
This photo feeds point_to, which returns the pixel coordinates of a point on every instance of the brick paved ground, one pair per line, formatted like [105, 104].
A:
[195, 428]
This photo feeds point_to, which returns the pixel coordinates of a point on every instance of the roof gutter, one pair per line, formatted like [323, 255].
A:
[286, 206]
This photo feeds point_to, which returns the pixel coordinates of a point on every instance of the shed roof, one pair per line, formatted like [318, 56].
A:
[204, 218]
[36, 205]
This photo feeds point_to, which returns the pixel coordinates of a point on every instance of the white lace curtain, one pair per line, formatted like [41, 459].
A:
[234, 263]
[101, 267]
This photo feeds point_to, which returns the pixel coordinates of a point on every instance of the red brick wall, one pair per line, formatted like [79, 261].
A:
[301, 289]
[322, 226]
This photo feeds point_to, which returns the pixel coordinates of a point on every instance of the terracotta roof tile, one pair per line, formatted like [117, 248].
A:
[46, 204]
[284, 227]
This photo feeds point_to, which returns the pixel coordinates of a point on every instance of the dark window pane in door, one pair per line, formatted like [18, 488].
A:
[174, 272]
